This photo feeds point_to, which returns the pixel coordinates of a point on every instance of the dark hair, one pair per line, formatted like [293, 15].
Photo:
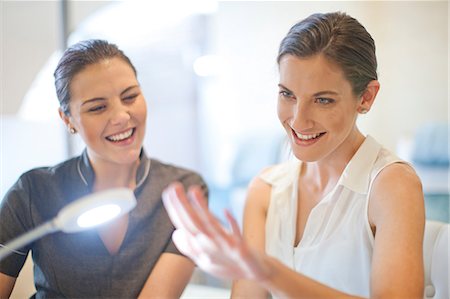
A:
[78, 57]
[342, 39]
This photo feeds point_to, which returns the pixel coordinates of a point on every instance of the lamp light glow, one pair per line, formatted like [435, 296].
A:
[84, 213]
[98, 215]
[67, 219]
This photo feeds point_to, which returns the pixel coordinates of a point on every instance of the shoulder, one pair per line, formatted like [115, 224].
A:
[49, 172]
[259, 190]
[42, 183]
[396, 178]
[41, 176]
[166, 173]
[173, 171]
[37, 183]
[396, 190]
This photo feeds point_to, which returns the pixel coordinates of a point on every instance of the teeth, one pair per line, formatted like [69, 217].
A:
[306, 137]
[121, 136]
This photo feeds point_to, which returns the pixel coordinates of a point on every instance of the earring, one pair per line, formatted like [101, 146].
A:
[363, 111]
[71, 130]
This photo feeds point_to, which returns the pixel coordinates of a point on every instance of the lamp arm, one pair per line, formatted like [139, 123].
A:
[36, 233]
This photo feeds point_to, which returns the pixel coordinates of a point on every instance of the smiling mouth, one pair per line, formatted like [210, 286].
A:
[308, 137]
[121, 136]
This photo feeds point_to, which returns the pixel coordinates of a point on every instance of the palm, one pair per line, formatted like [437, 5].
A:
[200, 236]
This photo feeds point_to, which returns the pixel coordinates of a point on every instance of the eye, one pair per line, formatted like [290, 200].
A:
[286, 95]
[97, 108]
[324, 101]
[130, 98]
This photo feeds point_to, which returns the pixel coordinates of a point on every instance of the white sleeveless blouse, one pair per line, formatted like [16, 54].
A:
[337, 243]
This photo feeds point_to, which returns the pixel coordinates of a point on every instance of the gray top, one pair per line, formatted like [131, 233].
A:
[78, 264]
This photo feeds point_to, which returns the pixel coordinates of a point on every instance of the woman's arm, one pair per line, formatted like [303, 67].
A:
[169, 277]
[396, 211]
[6, 285]
[254, 223]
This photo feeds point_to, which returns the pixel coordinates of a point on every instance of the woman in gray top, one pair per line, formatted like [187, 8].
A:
[100, 99]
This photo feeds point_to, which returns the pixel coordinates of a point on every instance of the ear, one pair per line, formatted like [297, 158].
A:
[368, 96]
[64, 117]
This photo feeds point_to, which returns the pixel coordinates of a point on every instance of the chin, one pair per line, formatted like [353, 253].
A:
[306, 157]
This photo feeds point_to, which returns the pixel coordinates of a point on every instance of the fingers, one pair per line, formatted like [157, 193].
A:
[180, 210]
[200, 235]
[216, 231]
[233, 224]
[171, 209]
[181, 240]
[212, 224]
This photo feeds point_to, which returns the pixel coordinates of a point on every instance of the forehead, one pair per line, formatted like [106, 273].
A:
[315, 72]
[107, 73]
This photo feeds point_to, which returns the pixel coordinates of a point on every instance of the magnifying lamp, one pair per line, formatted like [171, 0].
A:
[84, 213]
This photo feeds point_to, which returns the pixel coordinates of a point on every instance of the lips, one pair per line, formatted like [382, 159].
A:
[307, 138]
[121, 136]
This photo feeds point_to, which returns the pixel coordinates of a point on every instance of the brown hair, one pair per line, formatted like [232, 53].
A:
[78, 57]
[342, 39]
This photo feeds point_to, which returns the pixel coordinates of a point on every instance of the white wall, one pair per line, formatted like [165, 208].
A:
[29, 35]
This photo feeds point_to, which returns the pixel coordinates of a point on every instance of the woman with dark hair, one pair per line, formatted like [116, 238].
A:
[100, 99]
[344, 219]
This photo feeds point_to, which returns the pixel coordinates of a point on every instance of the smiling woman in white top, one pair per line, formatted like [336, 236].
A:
[346, 218]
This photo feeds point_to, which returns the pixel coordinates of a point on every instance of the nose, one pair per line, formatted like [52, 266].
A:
[303, 117]
[120, 114]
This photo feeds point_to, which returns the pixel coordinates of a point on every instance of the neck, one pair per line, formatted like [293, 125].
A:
[325, 173]
[114, 175]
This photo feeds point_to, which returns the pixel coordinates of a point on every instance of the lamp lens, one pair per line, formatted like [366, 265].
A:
[98, 215]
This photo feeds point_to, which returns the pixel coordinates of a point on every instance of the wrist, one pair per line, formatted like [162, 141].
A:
[267, 270]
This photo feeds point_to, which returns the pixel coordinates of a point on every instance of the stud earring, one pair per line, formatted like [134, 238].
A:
[363, 111]
[71, 130]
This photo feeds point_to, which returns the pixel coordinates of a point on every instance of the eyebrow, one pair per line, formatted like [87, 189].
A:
[102, 99]
[320, 93]
[128, 89]
[284, 87]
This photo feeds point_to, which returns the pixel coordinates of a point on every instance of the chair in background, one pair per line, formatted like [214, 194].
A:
[436, 260]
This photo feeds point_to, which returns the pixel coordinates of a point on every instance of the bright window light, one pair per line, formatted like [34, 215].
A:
[98, 215]
[208, 65]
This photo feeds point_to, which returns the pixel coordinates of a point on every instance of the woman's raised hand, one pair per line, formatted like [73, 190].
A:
[201, 237]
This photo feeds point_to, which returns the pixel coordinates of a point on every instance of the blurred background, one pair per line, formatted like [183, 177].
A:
[208, 72]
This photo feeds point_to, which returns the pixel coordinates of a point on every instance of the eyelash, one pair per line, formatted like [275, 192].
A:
[321, 101]
[131, 97]
[102, 107]
[324, 101]
[97, 108]
[286, 94]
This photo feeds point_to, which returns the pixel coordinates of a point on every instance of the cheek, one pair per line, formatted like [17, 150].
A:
[90, 130]
[341, 120]
[141, 111]
[89, 136]
[284, 111]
